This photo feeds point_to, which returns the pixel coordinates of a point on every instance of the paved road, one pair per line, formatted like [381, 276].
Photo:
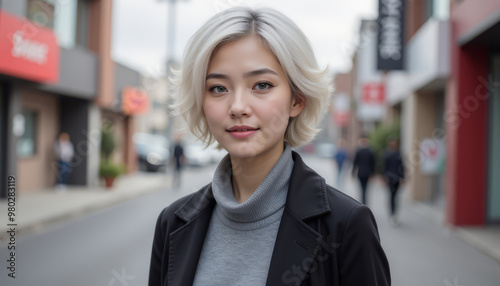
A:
[112, 247]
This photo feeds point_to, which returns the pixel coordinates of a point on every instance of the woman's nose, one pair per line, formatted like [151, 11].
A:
[239, 105]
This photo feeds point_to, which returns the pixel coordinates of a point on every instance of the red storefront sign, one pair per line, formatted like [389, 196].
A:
[373, 93]
[341, 118]
[27, 50]
[134, 100]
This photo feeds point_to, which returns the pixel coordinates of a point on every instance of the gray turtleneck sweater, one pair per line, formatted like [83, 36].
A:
[240, 238]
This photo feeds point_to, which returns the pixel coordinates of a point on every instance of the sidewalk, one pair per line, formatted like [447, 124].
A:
[484, 238]
[37, 209]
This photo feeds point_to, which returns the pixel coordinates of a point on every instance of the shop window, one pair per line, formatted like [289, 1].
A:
[437, 9]
[441, 9]
[81, 23]
[60, 16]
[26, 144]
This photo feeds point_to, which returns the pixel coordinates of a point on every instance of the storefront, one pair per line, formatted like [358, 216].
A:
[28, 55]
[423, 116]
[472, 115]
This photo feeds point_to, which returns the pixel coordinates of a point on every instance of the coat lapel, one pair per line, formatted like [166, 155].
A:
[186, 242]
[295, 249]
[297, 244]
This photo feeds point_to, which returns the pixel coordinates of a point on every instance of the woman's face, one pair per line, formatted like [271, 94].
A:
[247, 100]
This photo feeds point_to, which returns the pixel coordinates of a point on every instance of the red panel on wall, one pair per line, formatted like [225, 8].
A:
[27, 50]
[466, 117]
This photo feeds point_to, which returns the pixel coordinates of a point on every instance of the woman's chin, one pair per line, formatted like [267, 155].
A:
[242, 151]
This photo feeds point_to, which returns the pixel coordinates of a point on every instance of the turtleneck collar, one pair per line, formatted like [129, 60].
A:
[267, 199]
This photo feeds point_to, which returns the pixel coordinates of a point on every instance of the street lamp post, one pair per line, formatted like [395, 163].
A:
[171, 25]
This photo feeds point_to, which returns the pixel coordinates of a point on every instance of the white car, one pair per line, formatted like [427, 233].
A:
[196, 155]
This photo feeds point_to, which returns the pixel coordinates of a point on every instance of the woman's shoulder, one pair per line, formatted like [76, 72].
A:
[345, 211]
[184, 206]
[341, 204]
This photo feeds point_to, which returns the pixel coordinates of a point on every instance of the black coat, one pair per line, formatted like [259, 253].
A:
[393, 166]
[325, 238]
[364, 162]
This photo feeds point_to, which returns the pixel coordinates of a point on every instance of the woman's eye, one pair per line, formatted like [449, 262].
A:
[263, 86]
[218, 88]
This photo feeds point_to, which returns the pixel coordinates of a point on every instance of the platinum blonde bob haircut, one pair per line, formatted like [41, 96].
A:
[283, 38]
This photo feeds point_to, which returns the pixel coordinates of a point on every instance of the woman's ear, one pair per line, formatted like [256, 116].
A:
[298, 104]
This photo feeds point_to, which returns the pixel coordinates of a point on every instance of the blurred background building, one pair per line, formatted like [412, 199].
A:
[441, 98]
[57, 75]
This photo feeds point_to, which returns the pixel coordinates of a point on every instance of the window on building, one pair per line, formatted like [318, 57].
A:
[60, 16]
[441, 9]
[26, 144]
[81, 23]
[437, 9]
[428, 9]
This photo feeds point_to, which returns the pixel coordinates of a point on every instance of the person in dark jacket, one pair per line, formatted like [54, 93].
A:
[250, 83]
[363, 165]
[179, 160]
[394, 173]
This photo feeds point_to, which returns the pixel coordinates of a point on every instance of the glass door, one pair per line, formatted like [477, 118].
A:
[493, 196]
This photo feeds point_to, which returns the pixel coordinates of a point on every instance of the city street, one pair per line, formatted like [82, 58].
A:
[112, 246]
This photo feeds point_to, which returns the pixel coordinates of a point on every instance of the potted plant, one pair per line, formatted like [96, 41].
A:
[108, 170]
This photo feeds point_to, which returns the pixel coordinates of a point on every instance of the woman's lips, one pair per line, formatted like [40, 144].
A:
[242, 132]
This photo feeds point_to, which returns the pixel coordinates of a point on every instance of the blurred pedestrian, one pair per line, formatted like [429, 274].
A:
[251, 83]
[394, 173]
[340, 158]
[363, 165]
[179, 162]
[64, 152]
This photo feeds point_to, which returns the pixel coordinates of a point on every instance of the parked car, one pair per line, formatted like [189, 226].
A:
[152, 151]
[325, 149]
[196, 155]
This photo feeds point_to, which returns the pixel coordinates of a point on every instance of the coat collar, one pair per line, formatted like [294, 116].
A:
[306, 195]
[297, 244]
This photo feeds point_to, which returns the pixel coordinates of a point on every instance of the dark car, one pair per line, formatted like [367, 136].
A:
[152, 151]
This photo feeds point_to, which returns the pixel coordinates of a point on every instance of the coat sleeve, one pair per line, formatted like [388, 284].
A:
[155, 269]
[362, 261]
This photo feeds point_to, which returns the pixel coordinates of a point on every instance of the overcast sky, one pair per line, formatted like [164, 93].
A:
[140, 27]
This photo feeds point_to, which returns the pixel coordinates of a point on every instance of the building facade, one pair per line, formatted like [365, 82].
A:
[69, 85]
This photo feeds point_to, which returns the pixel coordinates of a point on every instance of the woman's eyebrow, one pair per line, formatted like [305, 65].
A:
[245, 75]
[216, 75]
[258, 72]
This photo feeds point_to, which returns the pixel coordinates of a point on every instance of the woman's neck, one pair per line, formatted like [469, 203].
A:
[249, 173]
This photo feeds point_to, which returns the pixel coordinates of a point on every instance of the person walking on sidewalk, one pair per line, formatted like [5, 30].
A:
[394, 173]
[251, 83]
[64, 152]
[363, 165]
[340, 158]
[179, 161]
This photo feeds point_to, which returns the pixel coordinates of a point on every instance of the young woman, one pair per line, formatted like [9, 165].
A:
[251, 83]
